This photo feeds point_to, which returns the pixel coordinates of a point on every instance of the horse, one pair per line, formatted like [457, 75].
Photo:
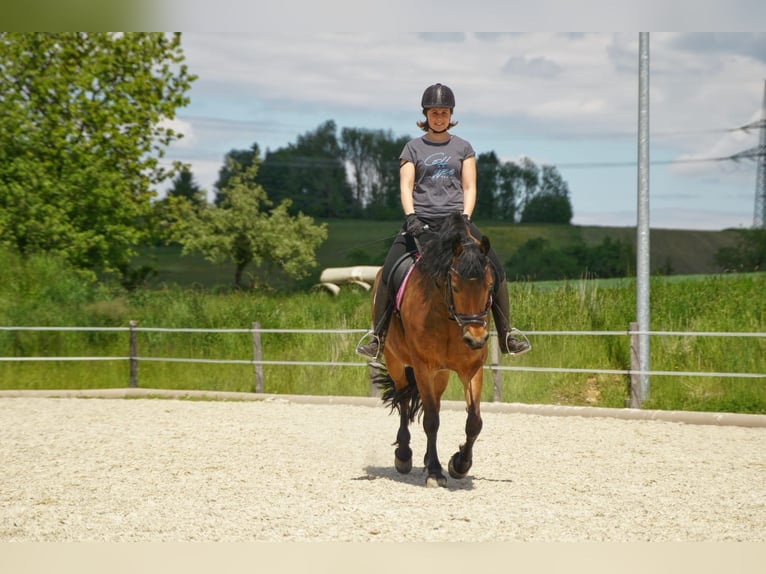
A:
[440, 326]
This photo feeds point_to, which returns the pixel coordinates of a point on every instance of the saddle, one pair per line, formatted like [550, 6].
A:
[399, 274]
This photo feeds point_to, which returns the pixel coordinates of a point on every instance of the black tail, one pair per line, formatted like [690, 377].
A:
[393, 398]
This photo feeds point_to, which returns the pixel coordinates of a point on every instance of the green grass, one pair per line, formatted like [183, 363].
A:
[43, 292]
[361, 242]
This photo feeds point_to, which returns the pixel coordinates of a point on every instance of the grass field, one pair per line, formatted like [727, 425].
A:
[357, 242]
[43, 292]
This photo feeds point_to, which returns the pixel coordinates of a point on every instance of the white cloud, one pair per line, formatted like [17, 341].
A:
[183, 127]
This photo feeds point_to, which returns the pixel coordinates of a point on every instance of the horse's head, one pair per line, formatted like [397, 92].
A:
[469, 289]
[459, 265]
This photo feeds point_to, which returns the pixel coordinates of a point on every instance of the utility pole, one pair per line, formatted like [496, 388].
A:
[759, 213]
[642, 227]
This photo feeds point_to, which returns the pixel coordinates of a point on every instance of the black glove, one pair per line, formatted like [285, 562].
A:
[414, 226]
[467, 219]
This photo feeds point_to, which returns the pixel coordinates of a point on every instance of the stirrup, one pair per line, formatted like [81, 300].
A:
[526, 345]
[364, 350]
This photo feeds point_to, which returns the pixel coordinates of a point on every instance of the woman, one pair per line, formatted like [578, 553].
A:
[437, 176]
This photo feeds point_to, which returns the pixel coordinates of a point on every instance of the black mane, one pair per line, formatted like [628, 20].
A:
[438, 247]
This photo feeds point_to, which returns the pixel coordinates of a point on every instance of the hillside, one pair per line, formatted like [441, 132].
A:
[687, 252]
[361, 242]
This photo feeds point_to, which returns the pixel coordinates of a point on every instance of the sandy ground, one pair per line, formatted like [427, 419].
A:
[116, 470]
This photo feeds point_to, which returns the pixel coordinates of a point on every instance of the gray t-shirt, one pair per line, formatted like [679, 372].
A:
[438, 171]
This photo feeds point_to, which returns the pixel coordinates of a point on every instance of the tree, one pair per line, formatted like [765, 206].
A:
[487, 170]
[538, 260]
[183, 199]
[373, 158]
[311, 173]
[81, 135]
[243, 159]
[549, 203]
[749, 253]
[357, 146]
[244, 229]
[185, 186]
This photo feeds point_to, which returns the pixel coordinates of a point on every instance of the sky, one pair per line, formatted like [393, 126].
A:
[560, 98]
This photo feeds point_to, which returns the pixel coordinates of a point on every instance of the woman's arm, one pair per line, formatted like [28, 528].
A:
[468, 178]
[407, 186]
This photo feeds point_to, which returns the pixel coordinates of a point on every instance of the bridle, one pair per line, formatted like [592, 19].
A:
[463, 319]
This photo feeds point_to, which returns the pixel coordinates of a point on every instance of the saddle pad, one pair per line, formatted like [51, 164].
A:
[403, 285]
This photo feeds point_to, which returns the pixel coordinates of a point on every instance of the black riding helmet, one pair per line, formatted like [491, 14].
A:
[438, 96]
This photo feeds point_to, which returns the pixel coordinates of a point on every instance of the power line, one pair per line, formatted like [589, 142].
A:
[736, 157]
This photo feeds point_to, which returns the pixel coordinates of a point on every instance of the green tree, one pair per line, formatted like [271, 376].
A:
[311, 173]
[81, 136]
[243, 159]
[244, 229]
[537, 260]
[385, 200]
[487, 169]
[749, 253]
[185, 186]
[549, 203]
[181, 200]
[357, 146]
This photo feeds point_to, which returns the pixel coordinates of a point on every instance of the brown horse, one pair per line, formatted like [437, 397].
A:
[441, 326]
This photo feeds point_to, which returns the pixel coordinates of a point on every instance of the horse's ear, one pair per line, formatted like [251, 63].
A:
[485, 244]
[457, 246]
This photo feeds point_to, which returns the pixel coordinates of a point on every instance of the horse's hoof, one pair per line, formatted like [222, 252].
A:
[435, 480]
[403, 466]
[453, 471]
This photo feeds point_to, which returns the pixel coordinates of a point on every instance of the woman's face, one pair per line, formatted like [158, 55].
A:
[438, 118]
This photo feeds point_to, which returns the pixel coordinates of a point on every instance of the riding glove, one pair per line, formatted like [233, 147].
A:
[414, 226]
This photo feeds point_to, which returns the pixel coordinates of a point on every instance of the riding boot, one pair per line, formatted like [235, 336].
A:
[381, 310]
[500, 312]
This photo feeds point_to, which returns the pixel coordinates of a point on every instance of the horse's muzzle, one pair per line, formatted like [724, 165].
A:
[475, 337]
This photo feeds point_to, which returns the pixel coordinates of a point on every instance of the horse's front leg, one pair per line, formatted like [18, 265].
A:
[431, 403]
[403, 452]
[461, 461]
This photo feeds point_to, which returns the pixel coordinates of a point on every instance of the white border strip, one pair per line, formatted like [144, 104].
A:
[687, 417]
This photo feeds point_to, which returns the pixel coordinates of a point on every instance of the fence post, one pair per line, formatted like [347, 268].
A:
[257, 357]
[635, 365]
[497, 375]
[133, 355]
[374, 390]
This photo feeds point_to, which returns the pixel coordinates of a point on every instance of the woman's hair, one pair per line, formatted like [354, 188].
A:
[423, 125]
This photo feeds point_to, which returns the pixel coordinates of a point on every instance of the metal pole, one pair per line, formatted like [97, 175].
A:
[497, 376]
[759, 213]
[634, 402]
[642, 239]
[257, 356]
[133, 355]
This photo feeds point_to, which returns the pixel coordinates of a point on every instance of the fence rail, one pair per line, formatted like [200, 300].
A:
[258, 362]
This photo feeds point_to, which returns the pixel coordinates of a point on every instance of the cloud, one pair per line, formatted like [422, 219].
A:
[566, 97]
[442, 36]
[183, 127]
[539, 67]
[722, 44]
